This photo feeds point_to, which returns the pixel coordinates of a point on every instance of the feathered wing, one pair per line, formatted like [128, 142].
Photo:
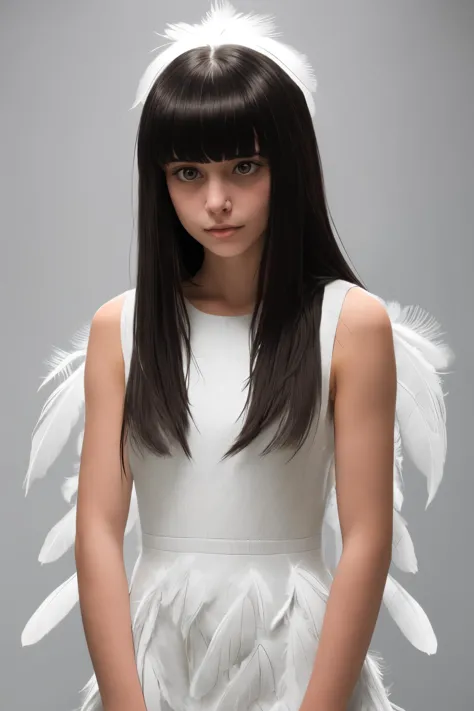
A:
[420, 430]
[63, 410]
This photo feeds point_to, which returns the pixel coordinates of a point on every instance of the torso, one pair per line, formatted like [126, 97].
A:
[211, 306]
[198, 298]
[248, 527]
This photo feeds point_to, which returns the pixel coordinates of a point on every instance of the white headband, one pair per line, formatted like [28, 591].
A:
[223, 25]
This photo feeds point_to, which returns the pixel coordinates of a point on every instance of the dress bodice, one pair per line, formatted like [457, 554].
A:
[247, 496]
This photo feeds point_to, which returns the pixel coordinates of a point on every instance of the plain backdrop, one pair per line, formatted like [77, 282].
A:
[395, 111]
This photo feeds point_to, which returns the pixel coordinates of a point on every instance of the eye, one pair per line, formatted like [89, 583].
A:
[250, 163]
[187, 174]
[183, 171]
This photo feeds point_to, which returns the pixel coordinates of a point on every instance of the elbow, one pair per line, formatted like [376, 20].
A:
[94, 540]
[371, 546]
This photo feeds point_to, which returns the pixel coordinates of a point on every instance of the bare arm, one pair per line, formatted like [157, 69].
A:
[102, 510]
[364, 418]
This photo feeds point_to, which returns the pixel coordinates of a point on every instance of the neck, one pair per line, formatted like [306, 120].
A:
[229, 282]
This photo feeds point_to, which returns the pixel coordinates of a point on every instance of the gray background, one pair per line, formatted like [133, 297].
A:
[394, 122]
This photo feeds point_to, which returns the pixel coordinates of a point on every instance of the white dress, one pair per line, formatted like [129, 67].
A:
[229, 590]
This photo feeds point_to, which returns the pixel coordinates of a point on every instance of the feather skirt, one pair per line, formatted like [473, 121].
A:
[232, 633]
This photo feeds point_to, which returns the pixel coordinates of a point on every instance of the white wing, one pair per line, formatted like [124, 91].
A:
[420, 429]
[63, 410]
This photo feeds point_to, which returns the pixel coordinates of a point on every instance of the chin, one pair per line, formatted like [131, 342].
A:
[227, 249]
[230, 247]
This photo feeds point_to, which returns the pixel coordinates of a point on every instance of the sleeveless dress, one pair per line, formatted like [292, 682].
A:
[229, 590]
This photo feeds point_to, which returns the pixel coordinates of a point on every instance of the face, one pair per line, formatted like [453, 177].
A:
[235, 192]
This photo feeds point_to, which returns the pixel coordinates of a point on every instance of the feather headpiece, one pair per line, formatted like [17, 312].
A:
[223, 25]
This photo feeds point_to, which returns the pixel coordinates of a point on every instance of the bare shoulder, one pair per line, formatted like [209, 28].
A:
[105, 333]
[363, 323]
[361, 312]
[110, 312]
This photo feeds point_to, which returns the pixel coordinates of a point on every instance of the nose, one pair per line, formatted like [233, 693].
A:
[217, 196]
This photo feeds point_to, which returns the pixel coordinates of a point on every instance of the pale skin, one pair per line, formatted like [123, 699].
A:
[102, 509]
[363, 380]
[362, 391]
[235, 192]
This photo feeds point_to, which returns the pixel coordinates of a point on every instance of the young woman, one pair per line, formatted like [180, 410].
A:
[243, 394]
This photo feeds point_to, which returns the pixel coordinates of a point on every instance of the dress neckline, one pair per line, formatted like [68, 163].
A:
[207, 315]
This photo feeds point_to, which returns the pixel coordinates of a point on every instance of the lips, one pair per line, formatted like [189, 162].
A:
[223, 232]
[223, 228]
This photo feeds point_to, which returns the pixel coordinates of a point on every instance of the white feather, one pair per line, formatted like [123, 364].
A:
[223, 25]
[259, 594]
[280, 705]
[61, 361]
[307, 591]
[403, 550]
[303, 612]
[51, 611]
[190, 601]
[152, 689]
[235, 635]
[233, 639]
[370, 691]
[398, 483]
[299, 653]
[176, 578]
[159, 647]
[53, 431]
[285, 610]
[144, 619]
[409, 616]
[196, 644]
[90, 696]
[133, 516]
[145, 629]
[60, 538]
[168, 660]
[421, 330]
[255, 680]
[80, 442]
[69, 487]
[311, 595]
[62, 408]
[176, 595]
[420, 408]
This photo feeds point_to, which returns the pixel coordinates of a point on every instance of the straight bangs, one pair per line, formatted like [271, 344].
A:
[207, 118]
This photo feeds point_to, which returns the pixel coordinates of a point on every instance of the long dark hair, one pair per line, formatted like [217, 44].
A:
[204, 108]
